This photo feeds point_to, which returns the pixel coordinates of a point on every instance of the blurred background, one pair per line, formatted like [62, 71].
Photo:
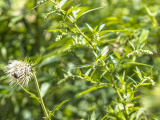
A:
[23, 33]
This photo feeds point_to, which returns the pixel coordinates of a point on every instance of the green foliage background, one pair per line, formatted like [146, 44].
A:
[25, 30]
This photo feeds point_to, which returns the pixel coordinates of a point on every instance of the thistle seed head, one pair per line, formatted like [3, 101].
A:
[18, 72]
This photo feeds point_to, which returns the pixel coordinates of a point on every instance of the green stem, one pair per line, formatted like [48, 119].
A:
[87, 39]
[40, 97]
[115, 87]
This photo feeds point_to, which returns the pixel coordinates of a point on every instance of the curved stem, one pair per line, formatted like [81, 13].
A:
[40, 97]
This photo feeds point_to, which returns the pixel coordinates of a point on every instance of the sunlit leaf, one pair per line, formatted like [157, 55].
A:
[44, 88]
[88, 78]
[139, 73]
[91, 10]
[90, 28]
[62, 3]
[88, 72]
[79, 72]
[85, 66]
[93, 116]
[132, 45]
[107, 31]
[143, 36]
[57, 108]
[117, 55]
[101, 27]
[90, 90]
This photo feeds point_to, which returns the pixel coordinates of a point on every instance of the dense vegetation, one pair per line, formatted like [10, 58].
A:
[100, 58]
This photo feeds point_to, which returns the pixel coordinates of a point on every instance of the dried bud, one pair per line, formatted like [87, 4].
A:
[18, 72]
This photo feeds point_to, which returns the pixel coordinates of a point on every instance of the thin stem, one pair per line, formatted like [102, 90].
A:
[87, 39]
[115, 87]
[40, 97]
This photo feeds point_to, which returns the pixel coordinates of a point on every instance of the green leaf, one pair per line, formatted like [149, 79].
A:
[85, 66]
[91, 10]
[140, 111]
[76, 8]
[75, 12]
[132, 79]
[83, 12]
[102, 57]
[117, 55]
[90, 28]
[113, 59]
[95, 54]
[146, 84]
[79, 72]
[89, 90]
[136, 63]
[139, 73]
[57, 108]
[88, 72]
[38, 60]
[93, 116]
[44, 88]
[132, 45]
[4, 52]
[56, 30]
[101, 27]
[111, 67]
[107, 31]
[152, 15]
[104, 117]
[31, 94]
[88, 78]
[62, 3]
[143, 36]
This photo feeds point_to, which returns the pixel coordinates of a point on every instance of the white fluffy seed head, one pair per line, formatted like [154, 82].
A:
[18, 72]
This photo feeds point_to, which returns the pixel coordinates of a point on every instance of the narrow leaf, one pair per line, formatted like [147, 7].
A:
[57, 108]
[107, 31]
[138, 71]
[102, 57]
[76, 8]
[83, 13]
[90, 28]
[62, 3]
[117, 55]
[88, 72]
[89, 90]
[88, 78]
[136, 63]
[101, 27]
[104, 117]
[38, 60]
[132, 45]
[85, 66]
[91, 10]
[31, 94]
